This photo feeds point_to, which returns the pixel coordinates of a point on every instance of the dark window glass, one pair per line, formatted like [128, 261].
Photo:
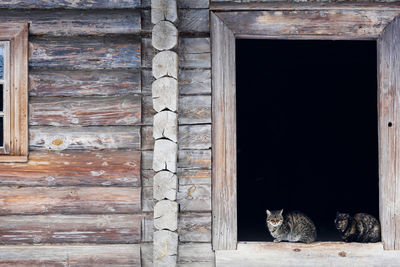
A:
[1, 62]
[1, 97]
[1, 131]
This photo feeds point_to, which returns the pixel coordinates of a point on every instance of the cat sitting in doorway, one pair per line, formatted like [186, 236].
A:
[360, 228]
[291, 226]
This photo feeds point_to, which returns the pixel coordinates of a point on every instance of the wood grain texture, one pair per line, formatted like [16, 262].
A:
[164, 36]
[389, 132]
[165, 63]
[183, 3]
[95, 168]
[69, 4]
[187, 159]
[83, 83]
[85, 52]
[74, 22]
[100, 229]
[70, 255]
[88, 111]
[223, 137]
[164, 10]
[316, 254]
[69, 200]
[309, 24]
[186, 176]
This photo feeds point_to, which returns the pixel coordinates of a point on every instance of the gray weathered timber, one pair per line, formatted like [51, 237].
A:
[165, 248]
[190, 137]
[70, 255]
[194, 21]
[164, 36]
[81, 138]
[122, 229]
[165, 185]
[80, 83]
[389, 132]
[73, 168]
[224, 137]
[187, 176]
[69, 4]
[309, 24]
[163, 10]
[254, 254]
[165, 126]
[165, 63]
[165, 94]
[183, 3]
[166, 215]
[88, 111]
[69, 200]
[165, 155]
[187, 159]
[74, 22]
[85, 52]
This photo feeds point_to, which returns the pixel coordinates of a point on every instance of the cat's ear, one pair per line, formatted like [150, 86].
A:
[281, 211]
[268, 212]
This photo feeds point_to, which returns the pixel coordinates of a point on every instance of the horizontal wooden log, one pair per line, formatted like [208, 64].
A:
[164, 36]
[189, 255]
[186, 176]
[70, 4]
[89, 111]
[71, 255]
[121, 229]
[84, 138]
[192, 109]
[84, 52]
[69, 200]
[76, 22]
[193, 53]
[74, 168]
[190, 137]
[187, 159]
[315, 254]
[83, 83]
[329, 24]
[183, 3]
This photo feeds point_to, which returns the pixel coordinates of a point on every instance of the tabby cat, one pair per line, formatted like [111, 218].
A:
[360, 228]
[291, 226]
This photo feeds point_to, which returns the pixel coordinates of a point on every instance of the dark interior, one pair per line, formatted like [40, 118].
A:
[307, 132]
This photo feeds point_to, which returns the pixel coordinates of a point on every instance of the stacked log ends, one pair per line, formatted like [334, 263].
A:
[165, 131]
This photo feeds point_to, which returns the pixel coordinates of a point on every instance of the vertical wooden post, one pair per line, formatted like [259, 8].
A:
[224, 136]
[389, 134]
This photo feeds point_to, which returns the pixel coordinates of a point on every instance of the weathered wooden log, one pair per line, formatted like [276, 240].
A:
[83, 83]
[107, 168]
[165, 248]
[194, 21]
[187, 159]
[165, 63]
[163, 10]
[194, 82]
[76, 22]
[69, 200]
[192, 110]
[57, 111]
[193, 4]
[119, 229]
[165, 185]
[70, 4]
[85, 52]
[84, 138]
[166, 215]
[166, 125]
[165, 94]
[165, 155]
[70, 255]
[164, 36]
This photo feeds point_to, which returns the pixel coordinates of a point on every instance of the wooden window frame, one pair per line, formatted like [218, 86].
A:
[302, 22]
[16, 100]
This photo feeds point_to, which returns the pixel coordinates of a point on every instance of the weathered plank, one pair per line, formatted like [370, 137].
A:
[89, 111]
[84, 138]
[190, 137]
[309, 24]
[389, 132]
[183, 3]
[147, 80]
[192, 109]
[71, 255]
[83, 83]
[187, 159]
[69, 4]
[85, 52]
[194, 21]
[108, 168]
[193, 53]
[74, 22]
[121, 229]
[186, 176]
[315, 254]
[69, 200]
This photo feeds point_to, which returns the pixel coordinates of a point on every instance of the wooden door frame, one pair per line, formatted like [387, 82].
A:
[303, 22]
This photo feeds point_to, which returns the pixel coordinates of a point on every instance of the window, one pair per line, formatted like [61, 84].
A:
[13, 92]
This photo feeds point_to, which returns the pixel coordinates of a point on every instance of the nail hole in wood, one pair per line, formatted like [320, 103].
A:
[390, 124]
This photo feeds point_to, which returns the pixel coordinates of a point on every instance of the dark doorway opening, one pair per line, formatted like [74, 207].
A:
[307, 131]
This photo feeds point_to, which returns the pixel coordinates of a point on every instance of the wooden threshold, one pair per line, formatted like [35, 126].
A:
[314, 254]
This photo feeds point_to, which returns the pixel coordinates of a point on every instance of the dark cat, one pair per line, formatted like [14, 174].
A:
[360, 228]
[292, 226]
